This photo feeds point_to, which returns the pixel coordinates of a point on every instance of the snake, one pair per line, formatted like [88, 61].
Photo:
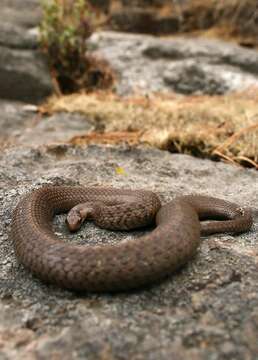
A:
[177, 228]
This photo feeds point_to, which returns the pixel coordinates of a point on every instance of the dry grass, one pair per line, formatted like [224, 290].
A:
[228, 19]
[216, 127]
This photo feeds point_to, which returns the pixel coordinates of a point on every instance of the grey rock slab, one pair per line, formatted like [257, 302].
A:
[208, 310]
[14, 119]
[22, 124]
[57, 128]
[145, 64]
[26, 13]
[12, 36]
[188, 77]
[19, 22]
[24, 74]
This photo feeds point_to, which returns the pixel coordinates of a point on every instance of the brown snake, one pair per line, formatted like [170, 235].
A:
[128, 264]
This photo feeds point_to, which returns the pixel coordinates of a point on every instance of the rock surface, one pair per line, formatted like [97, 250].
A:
[14, 118]
[145, 64]
[23, 70]
[203, 309]
[58, 128]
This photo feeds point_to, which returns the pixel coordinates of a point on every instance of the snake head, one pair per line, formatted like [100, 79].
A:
[77, 215]
[74, 220]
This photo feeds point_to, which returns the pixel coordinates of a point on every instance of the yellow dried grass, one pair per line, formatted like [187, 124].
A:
[217, 126]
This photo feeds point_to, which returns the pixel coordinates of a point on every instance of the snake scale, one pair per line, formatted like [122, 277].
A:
[130, 263]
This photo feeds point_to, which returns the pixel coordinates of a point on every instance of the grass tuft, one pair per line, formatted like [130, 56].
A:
[217, 127]
[65, 27]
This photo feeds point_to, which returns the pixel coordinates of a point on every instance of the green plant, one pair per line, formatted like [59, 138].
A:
[65, 27]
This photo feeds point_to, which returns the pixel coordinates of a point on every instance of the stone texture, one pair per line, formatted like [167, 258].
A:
[26, 14]
[23, 70]
[24, 76]
[15, 118]
[145, 64]
[209, 307]
[58, 128]
[22, 124]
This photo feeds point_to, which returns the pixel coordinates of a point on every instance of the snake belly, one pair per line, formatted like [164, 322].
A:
[130, 263]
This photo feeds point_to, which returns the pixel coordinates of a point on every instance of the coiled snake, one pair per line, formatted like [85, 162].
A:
[129, 264]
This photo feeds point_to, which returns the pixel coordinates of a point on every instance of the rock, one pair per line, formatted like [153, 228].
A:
[186, 77]
[22, 125]
[23, 69]
[11, 36]
[25, 15]
[203, 309]
[58, 128]
[145, 64]
[24, 75]
[212, 50]
[13, 120]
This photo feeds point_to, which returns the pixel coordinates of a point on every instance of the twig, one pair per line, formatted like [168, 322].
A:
[252, 162]
[235, 136]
